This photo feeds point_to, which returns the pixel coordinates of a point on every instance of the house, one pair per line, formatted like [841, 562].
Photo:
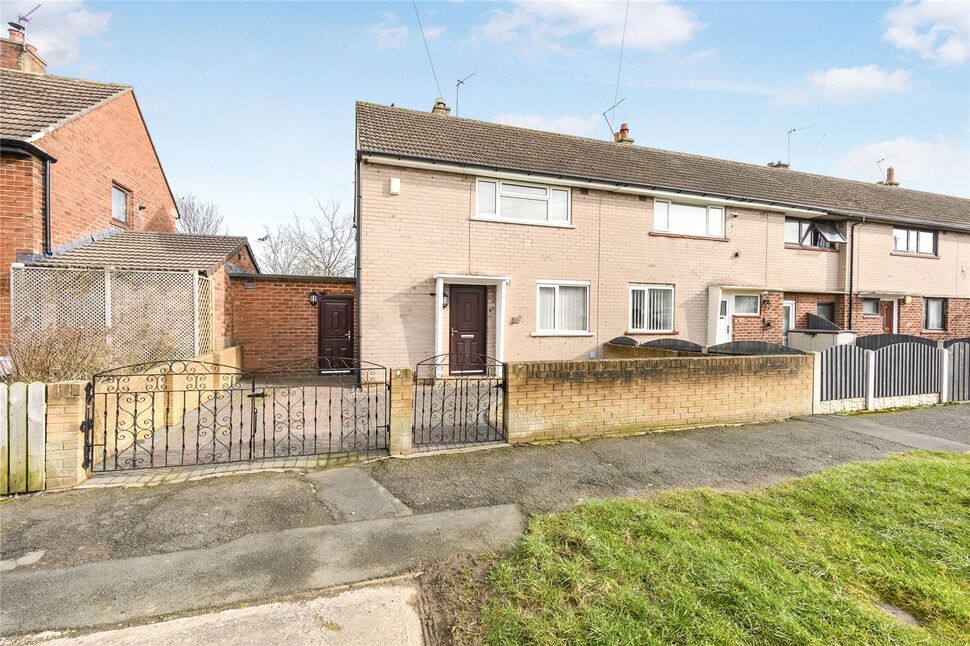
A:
[476, 237]
[77, 161]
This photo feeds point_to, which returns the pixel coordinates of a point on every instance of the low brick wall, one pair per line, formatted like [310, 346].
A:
[578, 399]
[64, 439]
[271, 316]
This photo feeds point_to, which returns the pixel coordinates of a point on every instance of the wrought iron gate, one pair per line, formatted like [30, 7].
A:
[459, 399]
[186, 413]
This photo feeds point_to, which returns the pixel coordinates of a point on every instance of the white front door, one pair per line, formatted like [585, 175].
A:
[787, 319]
[724, 320]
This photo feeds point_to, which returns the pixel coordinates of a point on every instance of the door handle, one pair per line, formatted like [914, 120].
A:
[468, 336]
[347, 336]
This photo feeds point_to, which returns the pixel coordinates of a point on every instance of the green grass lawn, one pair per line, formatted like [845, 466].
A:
[805, 562]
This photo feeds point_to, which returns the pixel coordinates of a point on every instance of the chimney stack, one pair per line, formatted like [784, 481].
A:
[440, 107]
[15, 54]
[623, 136]
[891, 177]
[778, 164]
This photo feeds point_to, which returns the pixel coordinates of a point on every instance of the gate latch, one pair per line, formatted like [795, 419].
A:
[254, 395]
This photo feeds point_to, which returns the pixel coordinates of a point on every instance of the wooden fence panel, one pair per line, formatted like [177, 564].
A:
[4, 441]
[960, 371]
[907, 369]
[23, 437]
[843, 372]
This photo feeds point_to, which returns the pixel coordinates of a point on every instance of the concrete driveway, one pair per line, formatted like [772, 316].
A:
[87, 558]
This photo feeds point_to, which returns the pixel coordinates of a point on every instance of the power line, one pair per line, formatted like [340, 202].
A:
[430, 62]
[619, 66]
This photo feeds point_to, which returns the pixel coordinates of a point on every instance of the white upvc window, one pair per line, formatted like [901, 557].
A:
[914, 241]
[870, 306]
[651, 308]
[521, 202]
[688, 219]
[747, 304]
[562, 307]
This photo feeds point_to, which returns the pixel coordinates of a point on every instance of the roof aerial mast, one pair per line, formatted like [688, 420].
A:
[23, 19]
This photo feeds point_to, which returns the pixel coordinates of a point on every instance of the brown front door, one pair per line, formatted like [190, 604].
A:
[467, 306]
[887, 310]
[335, 324]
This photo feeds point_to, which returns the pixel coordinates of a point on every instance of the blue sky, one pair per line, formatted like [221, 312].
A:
[251, 104]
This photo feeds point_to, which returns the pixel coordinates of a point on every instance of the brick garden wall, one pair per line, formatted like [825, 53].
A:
[271, 316]
[579, 399]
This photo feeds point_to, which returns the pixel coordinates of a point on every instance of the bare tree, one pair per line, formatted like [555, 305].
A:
[199, 216]
[321, 244]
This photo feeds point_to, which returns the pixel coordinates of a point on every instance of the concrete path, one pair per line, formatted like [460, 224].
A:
[385, 615]
[352, 495]
[873, 427]
[255, 567]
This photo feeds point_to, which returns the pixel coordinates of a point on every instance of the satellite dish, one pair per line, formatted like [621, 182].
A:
[16, 26]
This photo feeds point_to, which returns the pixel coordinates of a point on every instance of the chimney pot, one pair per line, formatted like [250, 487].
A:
[440, 107]
[623, 136]
[16, 34]
[891, 177]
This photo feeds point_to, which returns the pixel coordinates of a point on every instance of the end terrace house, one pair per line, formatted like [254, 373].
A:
[476, 237]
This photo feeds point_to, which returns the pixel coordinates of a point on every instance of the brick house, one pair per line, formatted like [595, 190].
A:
[82, 190]
[527, 245]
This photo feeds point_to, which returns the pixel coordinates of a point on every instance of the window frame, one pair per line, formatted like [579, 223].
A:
[878, 303]
[734, 305]
[912, 235]
[707, 223]
[542, 282]
[827, 304]
[646, 287]
[115, 186]
[549, 188]
[819, 239]
[943, 314]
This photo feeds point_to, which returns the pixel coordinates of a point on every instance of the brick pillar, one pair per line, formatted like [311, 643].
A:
[402, 410]
[65, 440]
[520, 407]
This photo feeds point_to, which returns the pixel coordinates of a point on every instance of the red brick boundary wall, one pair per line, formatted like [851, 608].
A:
[272, 318]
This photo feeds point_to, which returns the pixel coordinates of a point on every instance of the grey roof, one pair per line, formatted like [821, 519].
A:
[32, 105]
[422, 135]
[151, 250]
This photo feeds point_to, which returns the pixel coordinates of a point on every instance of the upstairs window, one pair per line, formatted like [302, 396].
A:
[914, 241]
[522, 202]
[651, 308]
[935, 315]
[119, 204]
[688, 219]
[812, 233]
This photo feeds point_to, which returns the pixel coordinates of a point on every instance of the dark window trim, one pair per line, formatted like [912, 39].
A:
[943, 315]
[128, 203]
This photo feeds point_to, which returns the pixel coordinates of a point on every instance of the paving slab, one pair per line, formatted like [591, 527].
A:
[873, 427]
[352, 495]
[259, 566]
[386, 615]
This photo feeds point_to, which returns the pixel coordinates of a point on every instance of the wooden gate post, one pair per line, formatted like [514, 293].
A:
[401, 411]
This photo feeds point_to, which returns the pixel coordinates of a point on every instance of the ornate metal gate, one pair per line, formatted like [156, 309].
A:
[459, 399]
[186, 413]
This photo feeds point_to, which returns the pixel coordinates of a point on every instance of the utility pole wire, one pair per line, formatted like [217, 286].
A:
[426, 48]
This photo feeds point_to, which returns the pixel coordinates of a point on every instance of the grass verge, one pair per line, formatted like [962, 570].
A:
[805, 562]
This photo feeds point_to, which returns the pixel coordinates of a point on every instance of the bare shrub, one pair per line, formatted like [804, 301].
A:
[321, 244]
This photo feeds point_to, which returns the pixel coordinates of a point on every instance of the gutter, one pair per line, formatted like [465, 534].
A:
[637, 189]
[18, 147]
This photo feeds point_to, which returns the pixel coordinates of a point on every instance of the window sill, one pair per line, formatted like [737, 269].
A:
[747, 316]
[533, 223]
[562, 333]
[802, 247]
[646, 333]
[120, 223]
[933, 331]
[664, 234]
[910, 254]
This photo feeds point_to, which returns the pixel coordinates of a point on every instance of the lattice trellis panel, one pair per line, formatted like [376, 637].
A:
[152, 314]
[46, 298]
[148, 314]
[207, 324]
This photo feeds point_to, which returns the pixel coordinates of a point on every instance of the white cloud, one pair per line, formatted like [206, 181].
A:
[57, 28]
[931, 165]
[546, 26]
[937, 31]
[433, 31]
[389, 36]
[566, 124]
[846, 84]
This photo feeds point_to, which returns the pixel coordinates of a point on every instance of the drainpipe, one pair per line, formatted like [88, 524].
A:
[357, 263]
[852, 269]
[47, 207]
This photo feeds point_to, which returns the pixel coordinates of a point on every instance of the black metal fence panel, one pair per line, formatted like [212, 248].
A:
[459, 399]
[188, 413]
[843, 372]
[878, 341]
[907, 369]
[959, 371]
